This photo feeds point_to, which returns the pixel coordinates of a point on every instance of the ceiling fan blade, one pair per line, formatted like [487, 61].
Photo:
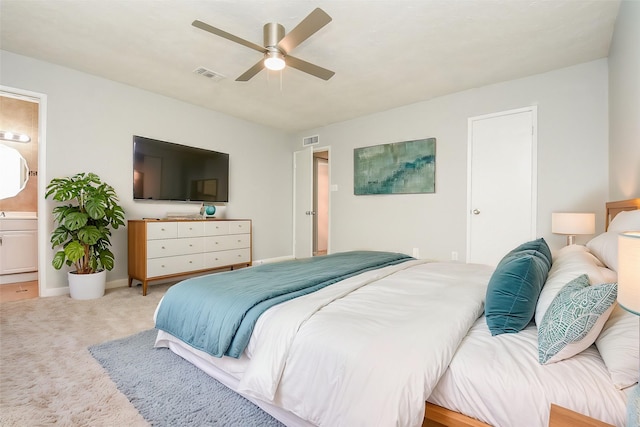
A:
[228, 36]
[305, 29]
[308, 67]
[251, 71]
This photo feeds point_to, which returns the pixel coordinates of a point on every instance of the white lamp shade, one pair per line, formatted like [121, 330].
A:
[629, 271]
[573, 223]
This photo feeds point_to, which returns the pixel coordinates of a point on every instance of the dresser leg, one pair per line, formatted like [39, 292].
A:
[130, 281]
[144, 288]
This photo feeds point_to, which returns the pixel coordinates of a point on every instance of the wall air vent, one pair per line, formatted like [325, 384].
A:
[205, 72]
[310, 140]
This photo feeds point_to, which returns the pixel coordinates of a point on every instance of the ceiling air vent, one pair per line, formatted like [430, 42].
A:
[205, 72]
[310, 140]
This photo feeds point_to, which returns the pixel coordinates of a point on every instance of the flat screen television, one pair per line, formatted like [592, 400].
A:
[172, 172]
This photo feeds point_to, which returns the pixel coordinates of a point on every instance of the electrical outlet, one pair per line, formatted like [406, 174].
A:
[454, 256]
[416, 253]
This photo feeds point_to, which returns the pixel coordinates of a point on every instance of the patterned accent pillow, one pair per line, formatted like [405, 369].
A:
[574, 319]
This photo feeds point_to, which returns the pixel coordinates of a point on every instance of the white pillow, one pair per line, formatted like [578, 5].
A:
[605, 247]
[619, 346]
[569, 263]
[625, 221]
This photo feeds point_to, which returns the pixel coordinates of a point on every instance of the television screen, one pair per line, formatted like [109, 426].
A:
[173, 172]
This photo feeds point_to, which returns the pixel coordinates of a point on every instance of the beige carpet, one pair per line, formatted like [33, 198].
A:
[48, 377]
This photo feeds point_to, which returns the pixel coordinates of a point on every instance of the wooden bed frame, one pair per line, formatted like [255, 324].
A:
[437, 416]
[614, 208]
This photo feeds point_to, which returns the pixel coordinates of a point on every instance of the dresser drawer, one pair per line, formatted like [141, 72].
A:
[190, 229]
[223, 258]
[157, 267]
[172, 247]
[216, 228]
[239, 227]
[162, 230]
[223, 243]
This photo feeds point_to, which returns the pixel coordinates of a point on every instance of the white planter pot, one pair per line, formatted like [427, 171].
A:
[87, 286]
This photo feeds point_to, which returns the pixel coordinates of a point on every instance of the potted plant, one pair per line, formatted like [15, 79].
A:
[83, 230]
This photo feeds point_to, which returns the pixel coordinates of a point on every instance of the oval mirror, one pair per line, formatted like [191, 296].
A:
[14, 172]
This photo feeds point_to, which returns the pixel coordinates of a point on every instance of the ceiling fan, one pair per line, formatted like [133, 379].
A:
[277, 45]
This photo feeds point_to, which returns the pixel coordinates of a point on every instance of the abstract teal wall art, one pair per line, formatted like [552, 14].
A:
[406, 167]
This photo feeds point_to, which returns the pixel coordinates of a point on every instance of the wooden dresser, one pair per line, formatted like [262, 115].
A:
[160, 249]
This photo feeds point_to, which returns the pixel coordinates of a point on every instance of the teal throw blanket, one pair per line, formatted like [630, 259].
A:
[216, 313]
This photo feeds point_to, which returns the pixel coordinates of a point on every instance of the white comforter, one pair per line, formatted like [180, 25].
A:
[367, 351]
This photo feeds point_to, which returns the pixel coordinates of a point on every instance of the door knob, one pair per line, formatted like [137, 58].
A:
[476, 212]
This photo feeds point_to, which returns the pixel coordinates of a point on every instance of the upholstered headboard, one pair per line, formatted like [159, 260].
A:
[614, 208]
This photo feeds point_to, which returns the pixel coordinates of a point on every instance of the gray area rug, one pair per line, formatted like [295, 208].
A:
[169, 391]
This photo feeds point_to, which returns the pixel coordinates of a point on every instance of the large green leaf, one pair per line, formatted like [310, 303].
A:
[75, 220]
[59, 236]
[95, 208]
[107, 259]
[74, 251]
[89, 235]
[58, 260]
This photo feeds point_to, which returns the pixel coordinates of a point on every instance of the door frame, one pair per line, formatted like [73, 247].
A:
[315, 231]
[533, 109]
[43, 232]
[295, 190]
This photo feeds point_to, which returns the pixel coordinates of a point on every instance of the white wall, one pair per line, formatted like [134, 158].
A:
[572, 161]
[90, 123]
[624, 104]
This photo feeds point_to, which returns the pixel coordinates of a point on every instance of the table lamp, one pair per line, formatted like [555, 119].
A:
[629, 299]
[572, 223]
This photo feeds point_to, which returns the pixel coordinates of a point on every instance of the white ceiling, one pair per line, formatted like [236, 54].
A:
[386, 53]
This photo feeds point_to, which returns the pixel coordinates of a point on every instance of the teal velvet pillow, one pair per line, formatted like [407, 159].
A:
[574, 319]
[515, 286]
[538, 245]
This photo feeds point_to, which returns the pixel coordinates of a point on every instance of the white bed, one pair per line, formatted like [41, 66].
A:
[370, 350]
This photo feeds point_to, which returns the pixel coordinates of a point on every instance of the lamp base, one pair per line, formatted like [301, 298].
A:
[571, 239]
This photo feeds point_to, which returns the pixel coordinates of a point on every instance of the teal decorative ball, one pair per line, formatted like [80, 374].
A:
[210, 209]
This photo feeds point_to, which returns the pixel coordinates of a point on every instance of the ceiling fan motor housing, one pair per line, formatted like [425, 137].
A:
[273, 33]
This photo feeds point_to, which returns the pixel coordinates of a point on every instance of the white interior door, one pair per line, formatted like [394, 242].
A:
[502, 184]
[303, 203]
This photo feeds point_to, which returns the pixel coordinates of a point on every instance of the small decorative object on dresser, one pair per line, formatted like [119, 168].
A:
[161, 249]
[207, 210]
[83, 231]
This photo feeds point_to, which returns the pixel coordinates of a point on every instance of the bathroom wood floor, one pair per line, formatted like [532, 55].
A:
[18, 291]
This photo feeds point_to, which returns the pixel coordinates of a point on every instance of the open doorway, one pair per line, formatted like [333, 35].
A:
[320, 202]
[19, 157]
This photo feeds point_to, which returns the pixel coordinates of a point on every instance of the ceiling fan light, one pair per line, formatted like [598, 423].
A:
[274, 61]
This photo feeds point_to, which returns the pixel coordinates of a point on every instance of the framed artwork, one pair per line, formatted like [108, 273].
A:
[407, 167]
